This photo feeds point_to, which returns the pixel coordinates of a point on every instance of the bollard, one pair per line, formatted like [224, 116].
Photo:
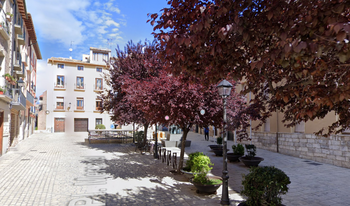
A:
[168, 162]
[174, 160]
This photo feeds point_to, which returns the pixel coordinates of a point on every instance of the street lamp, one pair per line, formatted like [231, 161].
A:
[224, 89]
[155, 154]
[20, 83]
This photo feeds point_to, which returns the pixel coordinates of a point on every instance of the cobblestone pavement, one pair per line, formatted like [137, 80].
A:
[60, 169]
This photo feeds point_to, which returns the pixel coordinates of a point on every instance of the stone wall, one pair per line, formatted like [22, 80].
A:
[331, 150]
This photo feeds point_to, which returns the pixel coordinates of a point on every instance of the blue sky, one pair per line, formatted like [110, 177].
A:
[88, 23]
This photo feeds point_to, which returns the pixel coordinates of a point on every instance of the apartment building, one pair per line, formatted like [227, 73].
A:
[73, 98]
[19, 51]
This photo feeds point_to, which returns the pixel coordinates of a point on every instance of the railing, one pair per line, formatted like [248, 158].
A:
[30, 97]
[5, 26]
[18, 97]
[110, 135]
[98, 88]
[81, 86]
[59, 86]
[7, 90]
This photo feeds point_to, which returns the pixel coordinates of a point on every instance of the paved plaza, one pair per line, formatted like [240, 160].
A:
[60, 169]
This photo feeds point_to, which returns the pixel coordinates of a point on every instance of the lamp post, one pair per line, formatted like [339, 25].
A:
[155, 154]
[224, 89]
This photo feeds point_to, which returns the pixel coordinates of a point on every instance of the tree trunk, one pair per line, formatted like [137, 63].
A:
[145, 134]
[182, 154]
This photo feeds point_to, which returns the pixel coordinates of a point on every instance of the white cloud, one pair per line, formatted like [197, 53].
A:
[73, 20]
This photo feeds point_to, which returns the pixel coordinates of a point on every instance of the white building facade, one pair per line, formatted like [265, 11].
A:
[73, 98]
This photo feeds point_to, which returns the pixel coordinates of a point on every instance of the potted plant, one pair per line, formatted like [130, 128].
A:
[10, 78]
[217, 145]
[238, 151]
[219, 150]
[264, 186]
[250, 160]
[187, 170]
[9, 16]
[201, 180]
[1, 91]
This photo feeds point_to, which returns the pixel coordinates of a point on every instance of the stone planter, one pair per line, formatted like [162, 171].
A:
[219, 151]
[188, 174]
[251, 162]
[213, 146]
[233, 157]
[207, 189]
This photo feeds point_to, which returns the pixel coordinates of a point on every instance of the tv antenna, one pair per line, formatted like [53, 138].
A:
[70, 49]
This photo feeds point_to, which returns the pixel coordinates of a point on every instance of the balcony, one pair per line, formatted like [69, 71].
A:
[19, 100]
[4, 31]
[22, 72]
[19, 26]
[6, 94]
[20, 39]
[30, 99]
[18, 62]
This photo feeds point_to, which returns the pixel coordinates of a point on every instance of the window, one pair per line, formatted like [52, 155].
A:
[267, 125]
[59, 102]
[98, 121]
[80, 82]
[95, 56]
[60, 81]
[98, 84]
[105, 57]
[60, 66]
[98, 105]
[80, 103]
[81, 68]
[300, 128]
[99, 69]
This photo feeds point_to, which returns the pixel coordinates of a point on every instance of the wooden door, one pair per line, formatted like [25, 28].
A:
[59, 125]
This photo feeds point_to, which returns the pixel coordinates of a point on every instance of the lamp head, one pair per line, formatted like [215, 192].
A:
[224, 88]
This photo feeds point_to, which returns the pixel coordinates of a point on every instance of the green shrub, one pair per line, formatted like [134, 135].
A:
[189, 162]
[264, 186]
[201, 167]
[251, 150]
[238, 150]
[100, 126]
[139, 136]
[219, 140]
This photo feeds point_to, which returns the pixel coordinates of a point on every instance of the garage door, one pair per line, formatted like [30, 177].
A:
[80, 125]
